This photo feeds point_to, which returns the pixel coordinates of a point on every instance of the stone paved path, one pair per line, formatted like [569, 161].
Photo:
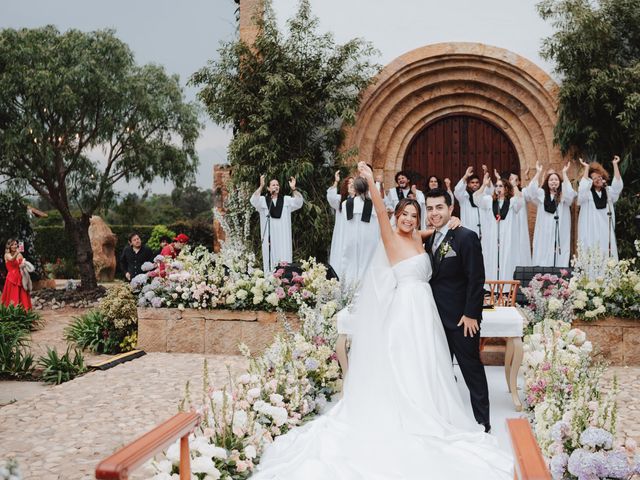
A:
[63, 433]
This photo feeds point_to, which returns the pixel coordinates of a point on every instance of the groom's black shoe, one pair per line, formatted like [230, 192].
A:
[487, 427]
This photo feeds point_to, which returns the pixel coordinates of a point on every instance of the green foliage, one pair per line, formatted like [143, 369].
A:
[627, 207]
[129, 342]
[288, 98]
[54, 242]
[27, 320]
[59, 369]
[15, 223]
[65, 94]
[596, 50]
[92, 331]
[158, 232]
[118, 307]
[64, 268]
[107, 329]
[15, 359]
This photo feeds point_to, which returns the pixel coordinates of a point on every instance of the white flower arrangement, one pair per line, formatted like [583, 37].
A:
[603, 286]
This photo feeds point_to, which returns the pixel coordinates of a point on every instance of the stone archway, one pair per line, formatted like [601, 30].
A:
[446, 79]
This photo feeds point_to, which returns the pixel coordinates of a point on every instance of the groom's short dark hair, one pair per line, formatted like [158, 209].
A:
[438, 192]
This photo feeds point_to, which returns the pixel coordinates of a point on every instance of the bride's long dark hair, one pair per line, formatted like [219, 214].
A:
[405, 202]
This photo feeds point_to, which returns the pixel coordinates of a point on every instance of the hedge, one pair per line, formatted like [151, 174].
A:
[53, 242]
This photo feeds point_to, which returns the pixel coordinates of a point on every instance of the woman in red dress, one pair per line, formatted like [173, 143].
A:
[13, 292]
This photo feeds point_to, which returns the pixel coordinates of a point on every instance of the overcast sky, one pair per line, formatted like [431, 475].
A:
[182, 36]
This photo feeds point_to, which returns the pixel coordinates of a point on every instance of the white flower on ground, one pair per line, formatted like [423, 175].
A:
[250, 452]
[204, 465]
[173, 453]
[239, 422]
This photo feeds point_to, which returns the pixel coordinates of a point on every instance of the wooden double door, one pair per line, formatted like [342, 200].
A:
[447, 146]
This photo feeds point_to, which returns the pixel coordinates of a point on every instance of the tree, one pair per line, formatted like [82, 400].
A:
[288, 98]
[596, 50]
[192, 200]
[66, 96]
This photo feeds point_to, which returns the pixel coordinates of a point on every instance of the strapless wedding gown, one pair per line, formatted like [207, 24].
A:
[401, 416]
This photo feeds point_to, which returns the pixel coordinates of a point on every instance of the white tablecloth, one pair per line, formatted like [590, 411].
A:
[501, 322]
[498, 322]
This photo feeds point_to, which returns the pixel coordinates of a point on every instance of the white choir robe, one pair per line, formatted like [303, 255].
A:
[544, 235]
[391, 200]
[335, 254]
[280, 228]
[359, 242]
[509, 252]
[594, 227]
[471, 217]
[523, 240]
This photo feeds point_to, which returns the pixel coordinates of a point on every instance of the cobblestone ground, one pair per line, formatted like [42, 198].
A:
[64, 432]
[52, 333]
[628, 407]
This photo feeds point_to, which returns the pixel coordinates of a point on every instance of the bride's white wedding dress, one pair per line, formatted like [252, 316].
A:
[401, 415]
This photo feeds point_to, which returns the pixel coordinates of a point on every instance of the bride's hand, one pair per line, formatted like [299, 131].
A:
[365, 171]
[454, 222]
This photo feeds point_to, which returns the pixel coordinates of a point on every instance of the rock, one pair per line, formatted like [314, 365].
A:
[103, 244]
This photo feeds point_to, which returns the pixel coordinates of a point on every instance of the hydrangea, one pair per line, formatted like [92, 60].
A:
[617, 465]
[558, 465]
[596, 437]
[147, 267]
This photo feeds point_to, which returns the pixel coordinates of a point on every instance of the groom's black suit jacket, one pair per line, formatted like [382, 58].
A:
[458, 280]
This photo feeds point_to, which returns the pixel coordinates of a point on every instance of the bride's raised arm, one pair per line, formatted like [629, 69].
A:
[386, 231]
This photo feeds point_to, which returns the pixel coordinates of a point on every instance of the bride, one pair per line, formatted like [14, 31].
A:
[401, 416]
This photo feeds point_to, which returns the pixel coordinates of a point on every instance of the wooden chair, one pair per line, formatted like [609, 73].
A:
[502, 293]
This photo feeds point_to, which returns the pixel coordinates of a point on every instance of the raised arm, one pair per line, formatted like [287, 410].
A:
[585, 184]
[386, 232]
[616, 185]
[568, 193]
[296, 196]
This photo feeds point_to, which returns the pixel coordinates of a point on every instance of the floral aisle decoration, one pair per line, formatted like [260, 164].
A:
[200, 279]
[548, 297]
[9, 470]
[293, 380]
[604, 286]
[574, 423]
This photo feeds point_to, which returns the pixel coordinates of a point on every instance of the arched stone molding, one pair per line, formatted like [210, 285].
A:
[457, 78]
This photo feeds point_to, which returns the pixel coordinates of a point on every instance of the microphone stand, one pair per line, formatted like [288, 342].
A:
[610, 225]
[556, 239]
[498, 271]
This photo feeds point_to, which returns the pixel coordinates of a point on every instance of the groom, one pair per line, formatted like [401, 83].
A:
[458, 285]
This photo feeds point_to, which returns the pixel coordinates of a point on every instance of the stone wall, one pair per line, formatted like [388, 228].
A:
[207, 331]
[617, 338]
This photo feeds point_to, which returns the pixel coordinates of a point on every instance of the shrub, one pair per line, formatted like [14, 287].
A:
[15, 359]
[16, 314]
[60, 369]
[119, 307]
[91, 331]
[62, 268]
[158, 232]
[109, 328]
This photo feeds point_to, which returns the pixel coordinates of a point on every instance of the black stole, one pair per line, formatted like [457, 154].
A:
[599, 200]
[473, 204]
[502, 212]
[366, 210]
[550, 204]
[400, 193]
[275, 209]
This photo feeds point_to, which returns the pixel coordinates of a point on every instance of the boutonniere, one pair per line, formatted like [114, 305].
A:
[444, 248]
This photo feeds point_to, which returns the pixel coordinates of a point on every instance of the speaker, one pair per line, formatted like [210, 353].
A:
[525, 274]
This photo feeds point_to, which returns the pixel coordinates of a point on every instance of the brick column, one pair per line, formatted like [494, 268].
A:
[248, 11]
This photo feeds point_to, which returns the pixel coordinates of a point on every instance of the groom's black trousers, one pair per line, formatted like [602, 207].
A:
[467, 352]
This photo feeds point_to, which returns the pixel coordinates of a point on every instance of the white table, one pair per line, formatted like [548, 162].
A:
[503, 322]
[507, 323]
